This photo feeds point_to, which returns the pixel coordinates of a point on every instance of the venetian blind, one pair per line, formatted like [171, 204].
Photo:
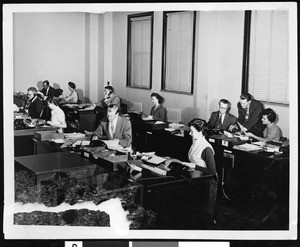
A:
[268, 56]
[179, 52]
[140, 52]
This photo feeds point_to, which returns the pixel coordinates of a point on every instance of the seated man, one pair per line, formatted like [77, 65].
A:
[249, 118]
[34, 105]
[272, 132]
[115, 127]
[109, 98]
[222, 119]
[47, 90]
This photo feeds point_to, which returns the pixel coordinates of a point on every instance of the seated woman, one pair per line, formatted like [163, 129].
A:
[73, 96]
[201, 153]
[272, 132]
[58, 117]
[158, 112]
[201, 157]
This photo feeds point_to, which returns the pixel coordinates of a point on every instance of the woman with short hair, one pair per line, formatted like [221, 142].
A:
[73, 97]
[272, 132]
[158, 112]
[58, 117]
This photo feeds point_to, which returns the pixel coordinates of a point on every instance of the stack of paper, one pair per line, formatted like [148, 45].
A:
[247, 147]
[74, 135]
[154, 169]
[156, 160]
[112, 144]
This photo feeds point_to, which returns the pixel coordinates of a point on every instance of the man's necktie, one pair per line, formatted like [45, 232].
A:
[247, 114]
[111, 129]
[219, 123]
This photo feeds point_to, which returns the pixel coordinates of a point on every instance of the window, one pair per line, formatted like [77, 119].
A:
[267, 72]
[139, 52]
[178, 51]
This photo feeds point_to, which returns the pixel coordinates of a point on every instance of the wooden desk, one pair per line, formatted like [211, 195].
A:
[240, 172]
[243, 173]
[23, 140]
[180, 203]
[45, 166]
[86, 117]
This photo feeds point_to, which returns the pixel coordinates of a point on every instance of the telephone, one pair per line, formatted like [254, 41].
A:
[178, 170]
[215, 131]
[97, 143]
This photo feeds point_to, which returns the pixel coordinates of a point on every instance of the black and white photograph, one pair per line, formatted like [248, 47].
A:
[174, 121]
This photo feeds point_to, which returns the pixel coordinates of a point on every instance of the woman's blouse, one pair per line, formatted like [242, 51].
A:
[73, 97]
[58, 117]
[158, 113]
[272, 133]
[202, 154]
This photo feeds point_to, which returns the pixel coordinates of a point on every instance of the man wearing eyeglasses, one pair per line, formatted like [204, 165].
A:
[115, 127]
[222, 119]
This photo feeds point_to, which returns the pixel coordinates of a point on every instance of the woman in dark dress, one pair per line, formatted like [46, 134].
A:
[158, 112]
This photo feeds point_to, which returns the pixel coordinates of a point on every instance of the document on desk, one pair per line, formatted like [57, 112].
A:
[247, 147]
[156, 160]
[159, 122]
[112, 144]
[260, 144]
[74, 135]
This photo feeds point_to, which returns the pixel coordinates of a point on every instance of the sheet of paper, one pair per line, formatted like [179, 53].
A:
[247, 147]
[159, 122]
[260, 144]
[112, 144]
[156, 160]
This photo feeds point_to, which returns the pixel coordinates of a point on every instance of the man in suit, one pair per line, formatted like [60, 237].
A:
[249, 118]
[222, 119]
[47, 91]
[110, 98]
[115, 127]
[34, 104]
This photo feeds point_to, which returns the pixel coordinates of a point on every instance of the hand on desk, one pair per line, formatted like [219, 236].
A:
[95, 138]
[249, 134]
[190, 165]
[148, 118]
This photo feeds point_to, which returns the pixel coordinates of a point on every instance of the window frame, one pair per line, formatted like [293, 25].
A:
[129, 62]
[164, 53]
[246, 57]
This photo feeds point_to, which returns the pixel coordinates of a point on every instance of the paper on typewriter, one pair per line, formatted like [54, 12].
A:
[247, 147]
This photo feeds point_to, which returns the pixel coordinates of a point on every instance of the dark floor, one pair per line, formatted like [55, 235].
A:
[252, 214]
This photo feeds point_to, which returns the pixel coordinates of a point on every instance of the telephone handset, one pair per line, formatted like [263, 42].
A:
[97, 143]
[178, 170]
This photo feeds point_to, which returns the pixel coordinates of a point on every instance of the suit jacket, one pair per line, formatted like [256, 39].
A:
[35, 107]
[123, 131]
[229, 119]
[112, 100]
[254, 123]
[50, 92]
[159, 113]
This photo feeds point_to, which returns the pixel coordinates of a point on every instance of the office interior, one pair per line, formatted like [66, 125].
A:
[90, 49]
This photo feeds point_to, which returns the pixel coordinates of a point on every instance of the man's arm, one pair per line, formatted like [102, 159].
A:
[126, 135]
[211, 120]
[99, 133]
[38, 107]
[241, 117]
[255, 116]
[116, 101]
